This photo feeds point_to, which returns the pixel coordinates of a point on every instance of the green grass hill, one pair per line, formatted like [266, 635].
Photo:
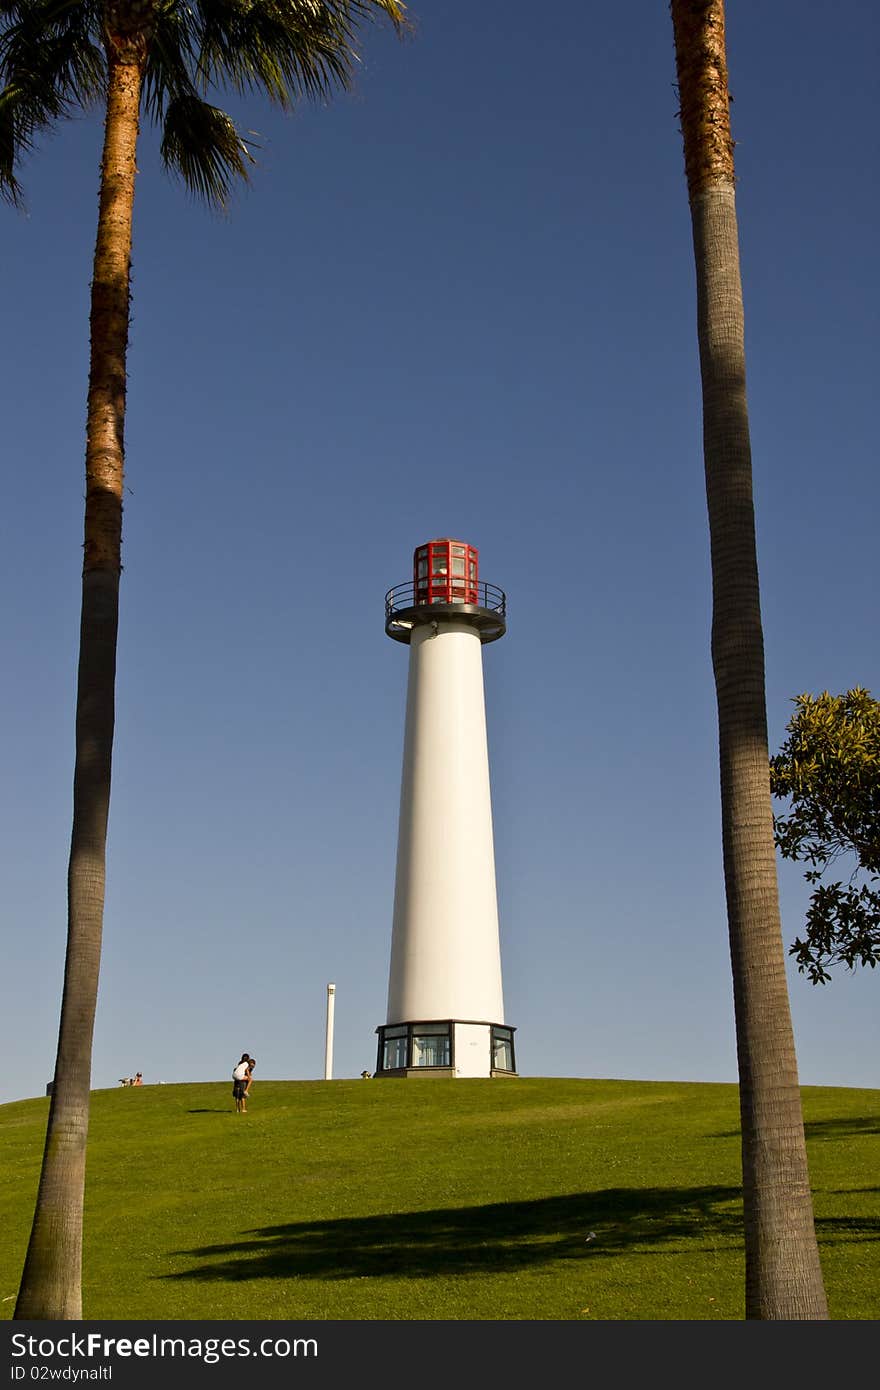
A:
[527, 1198]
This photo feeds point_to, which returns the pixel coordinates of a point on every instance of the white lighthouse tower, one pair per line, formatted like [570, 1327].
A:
[445, 1012]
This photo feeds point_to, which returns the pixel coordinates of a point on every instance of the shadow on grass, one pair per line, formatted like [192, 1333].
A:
[841, 1129]
[847, 1230]
[213, 1110]
[827, 1129]
[503, 1237]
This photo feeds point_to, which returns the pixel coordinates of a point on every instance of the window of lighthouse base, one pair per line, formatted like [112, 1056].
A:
[422, 1046]
[502, 1049]
[431, 1045]
[395, 1048]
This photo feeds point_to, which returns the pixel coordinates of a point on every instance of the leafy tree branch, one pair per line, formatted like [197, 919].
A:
[829, 771]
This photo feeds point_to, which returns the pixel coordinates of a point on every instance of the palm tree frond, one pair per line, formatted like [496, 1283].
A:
[297, 48]
[49, 63]
[11, 144]
[370, 10]
[53, 44]
[27, 106]
[202, 145]
[52, 60]
[171, 58]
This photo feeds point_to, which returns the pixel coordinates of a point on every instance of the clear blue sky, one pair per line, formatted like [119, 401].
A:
[459, 302]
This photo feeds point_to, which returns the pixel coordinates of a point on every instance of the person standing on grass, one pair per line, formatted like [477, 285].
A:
[240, 1079]
[252, 1062]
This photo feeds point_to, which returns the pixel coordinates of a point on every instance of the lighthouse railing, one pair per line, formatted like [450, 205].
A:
[474, 594]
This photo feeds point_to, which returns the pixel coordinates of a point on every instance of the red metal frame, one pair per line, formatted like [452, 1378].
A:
[450, 574]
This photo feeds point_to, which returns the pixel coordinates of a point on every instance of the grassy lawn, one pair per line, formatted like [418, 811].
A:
[424, 1199]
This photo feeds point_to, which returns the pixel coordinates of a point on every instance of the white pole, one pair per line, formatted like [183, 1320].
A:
[328, 1049]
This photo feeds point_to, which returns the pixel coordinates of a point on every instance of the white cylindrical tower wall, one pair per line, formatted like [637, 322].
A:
[445, 953]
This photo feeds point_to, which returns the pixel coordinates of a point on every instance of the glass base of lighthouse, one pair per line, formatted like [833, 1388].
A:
[445, 1047]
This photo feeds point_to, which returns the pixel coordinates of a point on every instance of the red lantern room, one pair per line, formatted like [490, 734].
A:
[445, 588]
[445, 571]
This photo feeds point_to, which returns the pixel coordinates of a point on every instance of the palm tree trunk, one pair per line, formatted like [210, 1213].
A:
[783, 1274]
[51, 1285]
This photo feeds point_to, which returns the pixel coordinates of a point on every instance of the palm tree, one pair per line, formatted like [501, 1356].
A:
[161, 57]
[783, 1274]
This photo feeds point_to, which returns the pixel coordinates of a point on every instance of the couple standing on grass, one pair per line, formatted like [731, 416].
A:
[242, 1074]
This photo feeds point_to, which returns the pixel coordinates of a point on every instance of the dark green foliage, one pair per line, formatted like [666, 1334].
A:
[50, 63]
[53, 60]
[829, 768]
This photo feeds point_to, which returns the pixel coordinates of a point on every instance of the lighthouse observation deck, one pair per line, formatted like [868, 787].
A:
[488, 613]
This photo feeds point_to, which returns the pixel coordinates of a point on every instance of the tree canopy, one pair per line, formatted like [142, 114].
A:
[829, 770]
[54, 59]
